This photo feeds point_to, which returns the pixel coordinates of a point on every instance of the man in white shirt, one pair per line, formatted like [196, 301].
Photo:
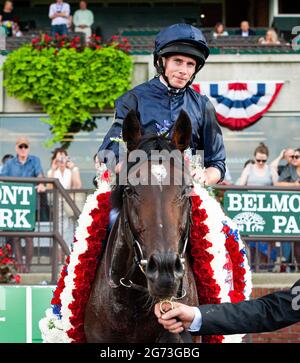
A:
[59, 13]
[83, 19]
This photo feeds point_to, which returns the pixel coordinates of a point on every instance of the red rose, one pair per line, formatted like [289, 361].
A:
[35, 41]
[236, 296]
[55, 301]
[6, 261]
[76, 336]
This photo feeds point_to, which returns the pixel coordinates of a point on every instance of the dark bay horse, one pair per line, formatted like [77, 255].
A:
[145, 257]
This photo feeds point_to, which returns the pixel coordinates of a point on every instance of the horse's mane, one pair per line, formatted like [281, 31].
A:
[148, 143]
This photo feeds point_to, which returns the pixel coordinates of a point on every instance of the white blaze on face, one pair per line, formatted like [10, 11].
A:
[159, 172]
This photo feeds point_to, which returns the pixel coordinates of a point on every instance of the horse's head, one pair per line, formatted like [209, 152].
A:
[156, 204]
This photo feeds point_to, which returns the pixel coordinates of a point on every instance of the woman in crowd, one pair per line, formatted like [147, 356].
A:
[271, 38]
[68, 174]
[261, 174]
[219, 31]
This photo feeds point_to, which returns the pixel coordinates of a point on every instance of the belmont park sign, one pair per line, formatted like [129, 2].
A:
[264, 213]
[17, 206]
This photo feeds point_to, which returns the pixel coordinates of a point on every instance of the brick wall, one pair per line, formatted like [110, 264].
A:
[290, 334]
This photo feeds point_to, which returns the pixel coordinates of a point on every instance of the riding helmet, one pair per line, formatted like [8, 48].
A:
[180, 39]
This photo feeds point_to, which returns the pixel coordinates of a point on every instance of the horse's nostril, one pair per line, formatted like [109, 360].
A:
[152, 267]
[178, 266]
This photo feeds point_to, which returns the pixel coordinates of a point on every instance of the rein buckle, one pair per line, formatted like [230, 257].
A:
[168, 302]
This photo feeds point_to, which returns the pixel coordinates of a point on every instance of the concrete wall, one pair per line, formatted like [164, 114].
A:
[259, 67]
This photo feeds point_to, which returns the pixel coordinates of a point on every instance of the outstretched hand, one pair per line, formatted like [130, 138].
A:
[177, 319]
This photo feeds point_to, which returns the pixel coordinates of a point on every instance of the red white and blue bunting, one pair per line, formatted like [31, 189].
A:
[240, 104]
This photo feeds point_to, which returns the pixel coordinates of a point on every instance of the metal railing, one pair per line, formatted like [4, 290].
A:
[55, 208]
[58, 211]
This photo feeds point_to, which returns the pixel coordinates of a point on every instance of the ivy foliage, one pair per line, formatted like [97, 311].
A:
[68, 84]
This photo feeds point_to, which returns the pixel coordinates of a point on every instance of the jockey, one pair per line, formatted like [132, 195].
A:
[180, 52]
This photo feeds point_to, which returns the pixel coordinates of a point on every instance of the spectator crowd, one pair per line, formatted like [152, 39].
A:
[24, 164]
[63, 22]
[270, 38]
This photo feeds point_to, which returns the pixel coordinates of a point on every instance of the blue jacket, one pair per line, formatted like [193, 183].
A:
[158, 110]
[31, 168]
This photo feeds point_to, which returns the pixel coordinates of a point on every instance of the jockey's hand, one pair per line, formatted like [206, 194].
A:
[118, 167]
[184, 313]
[199, 176]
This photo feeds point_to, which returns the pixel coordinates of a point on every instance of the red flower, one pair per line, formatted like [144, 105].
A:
[236, 296]
[85, 271]
[6, 261]
[17, 278]
[35, 41]
[238, 270]
[208, 290]
[55, 301]
[106, 175]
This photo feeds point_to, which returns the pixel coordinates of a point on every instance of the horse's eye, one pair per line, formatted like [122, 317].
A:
[129, 191]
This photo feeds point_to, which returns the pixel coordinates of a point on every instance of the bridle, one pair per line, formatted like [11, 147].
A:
[141, 262]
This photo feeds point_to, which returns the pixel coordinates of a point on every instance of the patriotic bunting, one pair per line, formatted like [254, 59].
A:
[240, 104]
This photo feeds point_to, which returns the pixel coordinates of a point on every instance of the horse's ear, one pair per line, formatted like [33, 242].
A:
[182, 131]
[131, 130]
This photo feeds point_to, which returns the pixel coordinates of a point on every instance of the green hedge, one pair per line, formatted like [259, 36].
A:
[68, 84]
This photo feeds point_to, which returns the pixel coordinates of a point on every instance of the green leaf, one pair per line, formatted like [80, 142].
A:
[67, 85]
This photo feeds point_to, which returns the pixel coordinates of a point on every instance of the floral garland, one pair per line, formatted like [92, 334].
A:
[86, 269]
[8, 266]
[241, 272]
[231, 277]
[207, 288]
[216, 249]
[64, 321]
[56, 301]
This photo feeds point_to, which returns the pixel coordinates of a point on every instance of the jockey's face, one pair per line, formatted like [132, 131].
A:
[179, 69]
